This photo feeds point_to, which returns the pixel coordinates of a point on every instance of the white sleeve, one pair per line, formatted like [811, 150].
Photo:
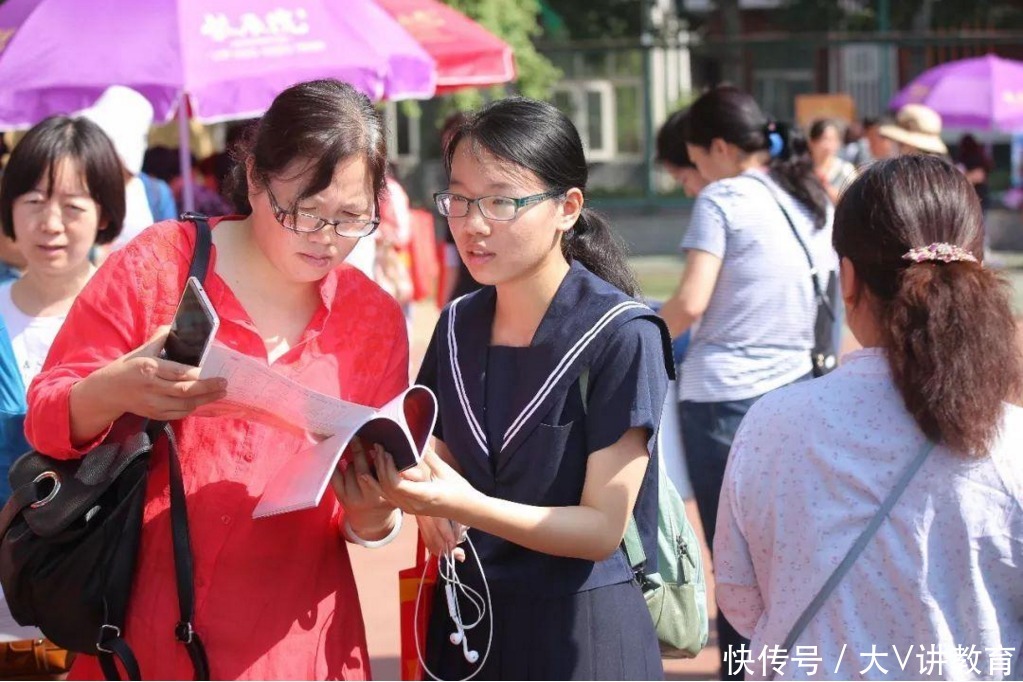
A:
[738, 593]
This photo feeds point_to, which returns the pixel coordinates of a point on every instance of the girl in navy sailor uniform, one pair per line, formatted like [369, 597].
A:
[550, 382]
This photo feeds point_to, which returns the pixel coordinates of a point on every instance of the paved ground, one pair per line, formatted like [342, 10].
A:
[657, 229]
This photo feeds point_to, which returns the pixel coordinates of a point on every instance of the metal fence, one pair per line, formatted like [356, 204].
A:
[618, 93]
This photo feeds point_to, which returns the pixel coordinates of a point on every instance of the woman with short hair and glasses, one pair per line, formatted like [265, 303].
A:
[550, 382]
[276, 598]
[62, 194]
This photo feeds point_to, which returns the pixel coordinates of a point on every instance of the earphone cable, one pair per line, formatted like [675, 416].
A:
[487, 607]
[450, 575]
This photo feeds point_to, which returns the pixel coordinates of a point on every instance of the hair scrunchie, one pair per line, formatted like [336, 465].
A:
[775, 142]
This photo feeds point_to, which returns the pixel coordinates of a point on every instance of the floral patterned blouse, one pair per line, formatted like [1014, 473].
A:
[938, 591]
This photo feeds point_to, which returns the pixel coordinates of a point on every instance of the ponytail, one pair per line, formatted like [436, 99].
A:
[595, 245]
[953, 351]
[792, 168]
[947, 327]
[734, 116]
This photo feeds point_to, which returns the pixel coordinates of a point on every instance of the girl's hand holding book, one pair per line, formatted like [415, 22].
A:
[442, 535]
[431, 488]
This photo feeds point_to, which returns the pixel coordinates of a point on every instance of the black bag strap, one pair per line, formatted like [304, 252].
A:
[183, 565]
[119, 649]
[21, 497]
[203, 245]
[115, 645]
[822, 299]
[110, 643]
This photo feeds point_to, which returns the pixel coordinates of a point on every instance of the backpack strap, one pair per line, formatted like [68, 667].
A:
[632, 543]
[584, 386]
[822, 299]
[111, 643]
[115, 647]
[184, 569]
[203, 245]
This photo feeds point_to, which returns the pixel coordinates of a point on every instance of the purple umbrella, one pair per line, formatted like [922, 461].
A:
[229, 58]
[983, 93]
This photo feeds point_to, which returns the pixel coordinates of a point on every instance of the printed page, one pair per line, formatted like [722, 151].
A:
[255, 391]
[303, 481]
[265, 395]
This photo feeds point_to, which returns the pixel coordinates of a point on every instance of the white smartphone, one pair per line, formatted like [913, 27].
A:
[194, 326]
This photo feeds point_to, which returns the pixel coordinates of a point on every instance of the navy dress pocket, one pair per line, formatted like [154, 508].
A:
[541, 470]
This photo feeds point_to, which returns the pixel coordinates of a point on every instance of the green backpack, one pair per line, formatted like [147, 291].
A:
[676, 594]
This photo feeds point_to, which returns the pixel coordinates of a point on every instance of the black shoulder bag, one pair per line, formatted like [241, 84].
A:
[70, 532]
[824, 354]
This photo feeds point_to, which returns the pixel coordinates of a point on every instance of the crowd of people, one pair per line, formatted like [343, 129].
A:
[873, 504]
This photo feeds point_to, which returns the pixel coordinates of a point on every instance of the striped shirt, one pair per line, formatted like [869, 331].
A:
[757, 331]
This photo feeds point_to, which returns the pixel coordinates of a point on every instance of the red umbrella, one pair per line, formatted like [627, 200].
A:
[467, 55]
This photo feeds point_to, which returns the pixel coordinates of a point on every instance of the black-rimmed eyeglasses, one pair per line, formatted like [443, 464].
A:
[307, 223]
[451, 205]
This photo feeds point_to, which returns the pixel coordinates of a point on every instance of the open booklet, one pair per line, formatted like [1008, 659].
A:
[402, 427]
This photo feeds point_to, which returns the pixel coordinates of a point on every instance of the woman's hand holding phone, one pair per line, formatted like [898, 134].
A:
[142, 383]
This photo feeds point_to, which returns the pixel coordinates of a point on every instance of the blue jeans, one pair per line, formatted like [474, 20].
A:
[707, 433]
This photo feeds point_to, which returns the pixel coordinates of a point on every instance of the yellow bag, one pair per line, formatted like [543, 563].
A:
[33, 659]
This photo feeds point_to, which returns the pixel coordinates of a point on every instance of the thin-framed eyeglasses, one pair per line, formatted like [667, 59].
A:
[494, 207]
[307, 223]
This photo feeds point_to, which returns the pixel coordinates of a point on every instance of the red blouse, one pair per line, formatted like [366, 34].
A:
[275, 598]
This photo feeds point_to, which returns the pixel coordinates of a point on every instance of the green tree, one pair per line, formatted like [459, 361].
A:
[599, 19]
[517, 24]
[906, 15]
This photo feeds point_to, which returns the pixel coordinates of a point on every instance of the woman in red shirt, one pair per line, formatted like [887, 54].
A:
[275, 598]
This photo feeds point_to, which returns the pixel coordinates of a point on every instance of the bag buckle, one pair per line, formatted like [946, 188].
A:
[184, 632]
[54, 478]
[103, 638]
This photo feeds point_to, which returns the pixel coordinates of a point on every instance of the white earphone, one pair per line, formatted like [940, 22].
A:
[458, 636]
[453, 586]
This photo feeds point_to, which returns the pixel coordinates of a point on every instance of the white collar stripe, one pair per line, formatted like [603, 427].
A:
[563, 366]
[470, 417]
